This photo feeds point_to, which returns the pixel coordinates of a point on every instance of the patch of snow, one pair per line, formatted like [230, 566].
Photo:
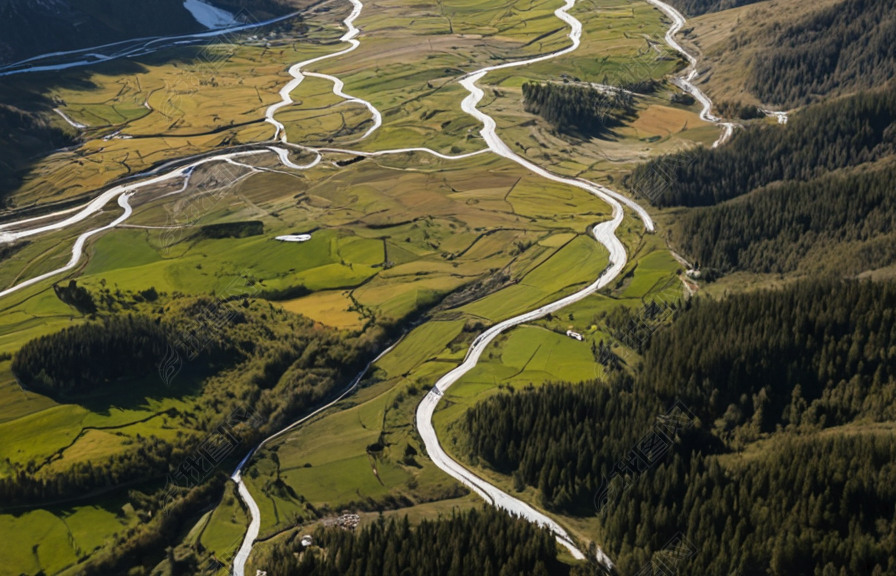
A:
[210, 16]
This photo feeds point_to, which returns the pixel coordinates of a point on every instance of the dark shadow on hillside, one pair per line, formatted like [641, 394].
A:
[32, 130]
[133, 394]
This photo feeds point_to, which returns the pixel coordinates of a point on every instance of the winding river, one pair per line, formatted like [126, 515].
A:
[603, 232]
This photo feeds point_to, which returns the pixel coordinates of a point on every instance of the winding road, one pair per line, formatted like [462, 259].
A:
[604, 233]
[242, 555]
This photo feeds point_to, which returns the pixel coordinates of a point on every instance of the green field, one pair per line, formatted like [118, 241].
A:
[60, 537]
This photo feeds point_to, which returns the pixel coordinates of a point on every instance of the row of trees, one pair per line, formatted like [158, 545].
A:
[820, 139]
[239, 229]
[775, 367]
[841, 223]
[485, 542]
[843, 48]
[577, 108]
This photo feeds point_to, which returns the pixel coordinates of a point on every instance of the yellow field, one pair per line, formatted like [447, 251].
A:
[330, 308]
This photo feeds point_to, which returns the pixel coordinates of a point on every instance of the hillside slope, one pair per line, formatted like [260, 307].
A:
[29, 28]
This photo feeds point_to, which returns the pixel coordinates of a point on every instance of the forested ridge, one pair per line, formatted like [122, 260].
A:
[801, 374]
[840, 49]
[820, 139]
[485, 542]
[842, 223]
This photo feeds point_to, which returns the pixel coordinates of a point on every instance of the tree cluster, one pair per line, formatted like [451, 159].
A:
[240, 229]
[485, 542]
[75, 296]
[255, 359]
[557, 438]
[576, 108]
[91, 356]
[275, 363]
[737, 109]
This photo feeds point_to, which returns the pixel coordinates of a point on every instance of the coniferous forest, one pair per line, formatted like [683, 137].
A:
[117, 348]
[801, 375]
[576, 108]
[814, 195]
[840, 223]
[840, 49]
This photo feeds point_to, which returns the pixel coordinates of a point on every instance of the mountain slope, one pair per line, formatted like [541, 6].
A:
[843, 48]
[29, 28]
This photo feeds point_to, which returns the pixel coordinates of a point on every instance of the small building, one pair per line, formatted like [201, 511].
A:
[575, 335]
[307, 540]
